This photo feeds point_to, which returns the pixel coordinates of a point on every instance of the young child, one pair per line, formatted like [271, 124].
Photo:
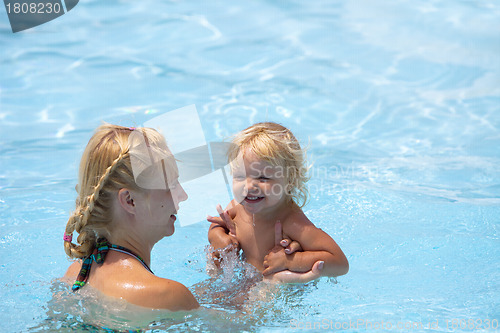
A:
[269, 176]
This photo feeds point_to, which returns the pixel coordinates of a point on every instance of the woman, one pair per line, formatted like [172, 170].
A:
[128, 194]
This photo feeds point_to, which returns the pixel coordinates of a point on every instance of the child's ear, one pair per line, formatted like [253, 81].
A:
[126, 200]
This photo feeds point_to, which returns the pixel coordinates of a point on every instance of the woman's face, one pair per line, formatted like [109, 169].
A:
[159, 208]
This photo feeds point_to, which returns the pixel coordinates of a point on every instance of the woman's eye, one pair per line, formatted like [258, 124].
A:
[264, 178]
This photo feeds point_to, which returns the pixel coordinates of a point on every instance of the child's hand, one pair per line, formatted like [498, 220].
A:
[221, 244]
[220, 240]
[224, 221]
[275, 261]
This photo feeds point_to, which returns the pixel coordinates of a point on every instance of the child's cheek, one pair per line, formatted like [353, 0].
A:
[239, 189]
[268, 189]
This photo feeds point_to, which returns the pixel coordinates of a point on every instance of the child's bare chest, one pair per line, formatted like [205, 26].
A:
[255, 240]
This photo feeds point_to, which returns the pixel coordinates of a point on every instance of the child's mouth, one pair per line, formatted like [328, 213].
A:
[252, 199]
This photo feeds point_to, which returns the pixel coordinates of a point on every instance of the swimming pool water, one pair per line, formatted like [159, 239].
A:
[398, 103]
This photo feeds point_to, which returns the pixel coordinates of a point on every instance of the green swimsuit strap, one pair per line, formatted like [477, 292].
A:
[98, 255]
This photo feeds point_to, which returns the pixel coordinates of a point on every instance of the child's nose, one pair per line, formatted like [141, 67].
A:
[251, 184]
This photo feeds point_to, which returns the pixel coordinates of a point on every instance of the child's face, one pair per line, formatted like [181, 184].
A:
[258, 185]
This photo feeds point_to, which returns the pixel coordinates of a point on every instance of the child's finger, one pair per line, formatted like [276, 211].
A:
[268, 270]
[223, 215]
[216, 219]
[278, 233]
[229, 223]
[220, 210]
[235, 244]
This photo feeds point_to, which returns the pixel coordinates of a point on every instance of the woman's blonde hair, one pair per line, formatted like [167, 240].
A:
[105, 168]
[277, 145]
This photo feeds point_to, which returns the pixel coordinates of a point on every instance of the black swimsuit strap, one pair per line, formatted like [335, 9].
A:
[98, 255]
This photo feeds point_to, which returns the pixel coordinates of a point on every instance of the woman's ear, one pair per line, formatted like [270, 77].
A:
[126, 200]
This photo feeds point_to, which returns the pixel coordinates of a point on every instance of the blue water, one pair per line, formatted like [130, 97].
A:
[398, 103]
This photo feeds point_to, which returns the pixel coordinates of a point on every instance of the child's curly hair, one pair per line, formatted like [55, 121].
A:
[277, 145]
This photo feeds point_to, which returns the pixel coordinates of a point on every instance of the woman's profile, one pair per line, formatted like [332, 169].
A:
[128, 195]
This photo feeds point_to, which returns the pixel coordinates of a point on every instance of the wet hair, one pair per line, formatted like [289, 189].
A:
[105, 168]
[276, 145]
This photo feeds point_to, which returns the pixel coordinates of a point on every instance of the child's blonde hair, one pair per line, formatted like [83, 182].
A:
[105, 168]
[277, 145]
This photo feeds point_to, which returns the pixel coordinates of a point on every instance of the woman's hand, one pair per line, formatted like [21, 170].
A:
[294, 277]
[290, 246]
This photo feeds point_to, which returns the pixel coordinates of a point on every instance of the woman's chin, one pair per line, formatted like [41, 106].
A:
[170, 232]
[170, 229]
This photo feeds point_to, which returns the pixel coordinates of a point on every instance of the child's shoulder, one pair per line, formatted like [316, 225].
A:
[296, 220]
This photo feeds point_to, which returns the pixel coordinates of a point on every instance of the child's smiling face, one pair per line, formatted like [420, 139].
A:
[257, 184]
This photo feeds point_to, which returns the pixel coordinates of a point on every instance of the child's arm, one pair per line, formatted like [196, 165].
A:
[222, 233]
[218, 236]
[317, 246]
[287, 276]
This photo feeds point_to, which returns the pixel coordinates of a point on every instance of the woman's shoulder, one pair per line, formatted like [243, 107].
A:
[161, 293]
[72, 272]
[140, 287]
[137, 286]
[157, 293]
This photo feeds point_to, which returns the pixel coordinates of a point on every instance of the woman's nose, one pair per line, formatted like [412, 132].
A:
[182, 195]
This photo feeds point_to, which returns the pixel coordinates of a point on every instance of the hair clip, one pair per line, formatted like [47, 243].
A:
[67, 238]
[131, 128]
